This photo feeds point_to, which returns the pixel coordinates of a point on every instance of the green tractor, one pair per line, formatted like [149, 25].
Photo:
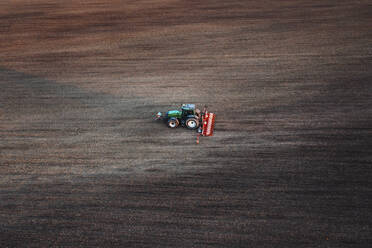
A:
[188, 117]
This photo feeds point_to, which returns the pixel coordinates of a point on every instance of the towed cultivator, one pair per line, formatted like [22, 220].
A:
[191, 118]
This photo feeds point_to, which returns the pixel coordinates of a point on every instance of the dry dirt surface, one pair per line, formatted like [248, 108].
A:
[84, 164]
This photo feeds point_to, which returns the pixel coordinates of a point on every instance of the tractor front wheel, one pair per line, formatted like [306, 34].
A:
[192, 123]
[173, 123]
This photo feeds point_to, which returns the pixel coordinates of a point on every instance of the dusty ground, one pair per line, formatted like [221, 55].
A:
[82, 163]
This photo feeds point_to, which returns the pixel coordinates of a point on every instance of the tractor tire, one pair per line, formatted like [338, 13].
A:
[192, 123]
[173, 123]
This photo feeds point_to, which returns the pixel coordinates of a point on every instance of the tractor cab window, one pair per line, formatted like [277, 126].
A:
[186, 112]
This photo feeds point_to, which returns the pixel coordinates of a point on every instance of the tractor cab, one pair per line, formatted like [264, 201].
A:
[187, 110]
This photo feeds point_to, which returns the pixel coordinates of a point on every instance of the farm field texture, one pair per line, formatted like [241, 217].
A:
[84, 163]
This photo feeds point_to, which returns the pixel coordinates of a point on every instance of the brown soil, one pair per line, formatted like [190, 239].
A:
[83, 163]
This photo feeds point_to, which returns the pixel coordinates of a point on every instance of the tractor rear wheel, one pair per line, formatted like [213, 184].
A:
[192, 123]
[173, 123]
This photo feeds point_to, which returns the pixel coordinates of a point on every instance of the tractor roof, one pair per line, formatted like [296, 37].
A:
[188, 106]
